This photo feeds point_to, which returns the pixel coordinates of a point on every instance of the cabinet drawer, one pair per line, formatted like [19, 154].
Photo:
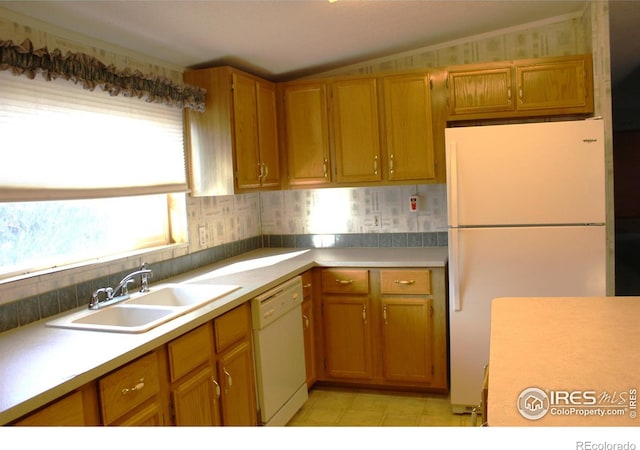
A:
[405, 281]
[128, 387]
[232, 327]
[190, 351]
[345, 281]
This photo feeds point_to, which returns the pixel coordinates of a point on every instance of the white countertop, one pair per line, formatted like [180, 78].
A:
[39, 363]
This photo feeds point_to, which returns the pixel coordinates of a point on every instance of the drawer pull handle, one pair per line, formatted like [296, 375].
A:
[344, 281]
[137, 387]
[404, 281]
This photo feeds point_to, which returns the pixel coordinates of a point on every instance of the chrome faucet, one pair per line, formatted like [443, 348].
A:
[121, 292]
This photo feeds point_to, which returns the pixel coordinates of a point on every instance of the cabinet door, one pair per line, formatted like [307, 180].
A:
[562, 83]
[268, 135]
[195, 400]
[235, 372]
[148, 416]
[246, 131]
[347, 333]
[408, 124]
[307, 134]
[356, 130]
[406, 339]
[309, 341]
[480, 91]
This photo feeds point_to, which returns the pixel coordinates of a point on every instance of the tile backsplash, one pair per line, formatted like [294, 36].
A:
[337, 217]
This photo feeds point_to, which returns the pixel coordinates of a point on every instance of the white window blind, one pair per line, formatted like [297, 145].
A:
[60, 141]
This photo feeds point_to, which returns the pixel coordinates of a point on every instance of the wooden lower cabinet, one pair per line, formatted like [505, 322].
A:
[390, 331]
[347, 336]
[309, 327]
[76, 409]
[235, 369]
[234, 354]
[195, 391]
[131, 395]
[406, 339]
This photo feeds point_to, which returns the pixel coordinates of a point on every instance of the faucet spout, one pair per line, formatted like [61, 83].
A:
[121, 292]
[143, 272]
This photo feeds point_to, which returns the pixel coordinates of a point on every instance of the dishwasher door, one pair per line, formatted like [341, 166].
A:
[279, 352]
[280, 364]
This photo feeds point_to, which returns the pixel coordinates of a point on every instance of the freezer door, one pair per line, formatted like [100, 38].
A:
[536, 173]
[486, 263]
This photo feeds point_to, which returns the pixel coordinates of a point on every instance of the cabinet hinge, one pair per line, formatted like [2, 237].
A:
[431, 311]
[431, 83]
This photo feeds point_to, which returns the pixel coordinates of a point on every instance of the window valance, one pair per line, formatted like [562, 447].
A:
[23, 59]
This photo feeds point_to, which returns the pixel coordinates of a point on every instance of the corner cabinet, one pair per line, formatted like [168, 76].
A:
[233, 145]
[521, 88]
[385, 327]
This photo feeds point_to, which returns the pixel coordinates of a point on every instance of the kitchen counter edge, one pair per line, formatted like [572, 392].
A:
[23, 389]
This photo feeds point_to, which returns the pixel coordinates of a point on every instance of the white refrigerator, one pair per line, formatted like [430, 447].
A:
[526, 212]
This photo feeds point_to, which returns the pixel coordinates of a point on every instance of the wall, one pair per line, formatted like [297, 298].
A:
[236, 224]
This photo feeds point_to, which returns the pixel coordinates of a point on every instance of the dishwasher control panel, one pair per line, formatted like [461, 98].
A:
[276, 302]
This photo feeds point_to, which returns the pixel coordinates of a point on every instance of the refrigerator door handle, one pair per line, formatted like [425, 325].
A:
[452, 182]
[454, 272]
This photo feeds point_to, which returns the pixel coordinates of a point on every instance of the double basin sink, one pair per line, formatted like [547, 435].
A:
[144, 311]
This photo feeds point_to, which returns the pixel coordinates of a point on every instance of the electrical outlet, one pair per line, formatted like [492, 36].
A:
[203, 236]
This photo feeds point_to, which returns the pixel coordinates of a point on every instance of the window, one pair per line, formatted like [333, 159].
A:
[85, 175]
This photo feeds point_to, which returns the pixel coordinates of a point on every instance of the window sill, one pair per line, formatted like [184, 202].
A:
[30, 284]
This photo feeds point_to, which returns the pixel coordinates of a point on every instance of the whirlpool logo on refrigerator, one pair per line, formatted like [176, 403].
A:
[534, 403]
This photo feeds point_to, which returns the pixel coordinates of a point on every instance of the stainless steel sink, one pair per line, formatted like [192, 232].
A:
[144, 311]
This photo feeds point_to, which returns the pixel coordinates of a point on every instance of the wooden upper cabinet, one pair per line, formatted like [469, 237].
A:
[232, 146]
[408, 127]
[245, 121]
[356, 130]
[481, 90]
[563, 84]
[307, 133]
[521, 88]
[268, 135]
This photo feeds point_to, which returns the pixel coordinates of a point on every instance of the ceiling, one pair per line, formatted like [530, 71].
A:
[284, 39]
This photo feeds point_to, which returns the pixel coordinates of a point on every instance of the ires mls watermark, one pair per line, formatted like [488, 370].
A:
[534, 403]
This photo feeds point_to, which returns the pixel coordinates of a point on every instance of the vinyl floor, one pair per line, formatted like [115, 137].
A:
[337, 407]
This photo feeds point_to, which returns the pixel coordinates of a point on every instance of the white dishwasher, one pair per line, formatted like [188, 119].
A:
[279, 352]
